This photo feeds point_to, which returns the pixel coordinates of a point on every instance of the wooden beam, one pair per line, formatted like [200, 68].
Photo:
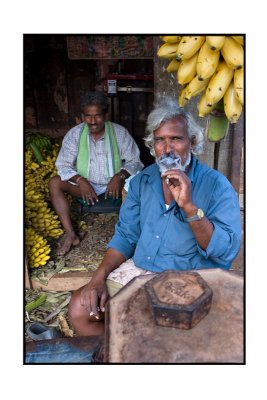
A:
[28, 283]
[67, 281]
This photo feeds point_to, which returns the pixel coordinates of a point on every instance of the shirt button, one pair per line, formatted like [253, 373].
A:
[165, 215]
[148, 258]
[157, 237]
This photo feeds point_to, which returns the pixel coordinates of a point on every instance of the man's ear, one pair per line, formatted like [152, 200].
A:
[193, 141]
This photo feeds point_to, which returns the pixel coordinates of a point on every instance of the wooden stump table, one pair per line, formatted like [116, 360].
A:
[133, 336]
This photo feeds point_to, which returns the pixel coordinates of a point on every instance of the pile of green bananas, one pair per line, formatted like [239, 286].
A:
[37, 249]
[40, 139]
[212, 65]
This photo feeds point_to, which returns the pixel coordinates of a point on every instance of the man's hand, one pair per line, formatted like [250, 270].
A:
[180, 187]
[94, 296]
[114, 187]
[87, 192]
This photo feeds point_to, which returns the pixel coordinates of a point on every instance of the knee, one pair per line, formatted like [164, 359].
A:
[54, 183]
[75, 310]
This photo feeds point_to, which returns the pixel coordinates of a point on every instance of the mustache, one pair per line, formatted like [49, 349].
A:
[171, 160]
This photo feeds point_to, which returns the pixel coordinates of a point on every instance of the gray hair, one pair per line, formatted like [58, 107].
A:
[165, 110]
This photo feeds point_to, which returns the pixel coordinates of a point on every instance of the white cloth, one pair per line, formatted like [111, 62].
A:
[126, 272]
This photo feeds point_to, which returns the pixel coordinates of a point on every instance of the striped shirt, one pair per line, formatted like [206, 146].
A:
[66, 161]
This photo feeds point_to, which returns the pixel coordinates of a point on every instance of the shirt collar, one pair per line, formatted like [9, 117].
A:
[192, 169]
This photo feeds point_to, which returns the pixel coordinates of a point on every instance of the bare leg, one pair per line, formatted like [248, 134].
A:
[83, 324]
[57, 189]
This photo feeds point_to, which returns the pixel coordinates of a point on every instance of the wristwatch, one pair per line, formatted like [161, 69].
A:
[122, 175]
[199, 215]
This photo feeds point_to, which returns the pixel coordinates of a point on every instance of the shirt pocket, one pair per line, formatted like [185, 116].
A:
[179, 239]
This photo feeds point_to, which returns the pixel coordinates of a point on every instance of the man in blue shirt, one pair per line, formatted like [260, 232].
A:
[178, 214]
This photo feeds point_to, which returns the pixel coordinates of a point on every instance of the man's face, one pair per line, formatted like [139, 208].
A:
[95, 118]
[172, 137]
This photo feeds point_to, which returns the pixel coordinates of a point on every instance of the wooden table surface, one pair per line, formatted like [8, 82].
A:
[132, 335]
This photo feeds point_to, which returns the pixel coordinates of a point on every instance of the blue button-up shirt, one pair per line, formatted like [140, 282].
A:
[159, 239]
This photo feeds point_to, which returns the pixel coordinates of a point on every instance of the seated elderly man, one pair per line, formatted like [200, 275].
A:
[178, 214]
[95, 159]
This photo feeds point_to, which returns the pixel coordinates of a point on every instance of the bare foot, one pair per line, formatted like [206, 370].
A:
[68, 243]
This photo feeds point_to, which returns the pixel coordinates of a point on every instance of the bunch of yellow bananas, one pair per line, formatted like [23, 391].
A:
[37, 249]
[212, 65]
[41, 173]
[37, 211]
[40, 220]
[47, 170]
[40, 216]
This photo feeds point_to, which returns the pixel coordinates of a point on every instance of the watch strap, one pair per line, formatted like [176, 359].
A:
[197, 217]
[122, 175]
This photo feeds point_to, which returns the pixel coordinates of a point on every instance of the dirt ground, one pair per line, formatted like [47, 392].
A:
[97, 230]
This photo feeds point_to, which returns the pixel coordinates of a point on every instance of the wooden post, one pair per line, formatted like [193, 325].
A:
[28, 284]
[237, 145]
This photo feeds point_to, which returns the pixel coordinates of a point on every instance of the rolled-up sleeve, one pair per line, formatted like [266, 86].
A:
[224, 213]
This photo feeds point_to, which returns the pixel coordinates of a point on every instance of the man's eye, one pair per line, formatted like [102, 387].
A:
[94, 116]
[158, 139]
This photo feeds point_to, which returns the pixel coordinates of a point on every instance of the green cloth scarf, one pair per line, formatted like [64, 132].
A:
[113, 161]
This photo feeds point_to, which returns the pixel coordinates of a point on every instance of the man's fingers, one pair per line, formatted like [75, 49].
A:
[94, 303]
[110, 193]
[85, 300]
[103, 300]
[107, 193]
[95, 197]
[90, 200]
[91, 197]
[117, 193]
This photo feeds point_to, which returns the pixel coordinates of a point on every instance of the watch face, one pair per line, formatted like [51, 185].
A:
[200, 213]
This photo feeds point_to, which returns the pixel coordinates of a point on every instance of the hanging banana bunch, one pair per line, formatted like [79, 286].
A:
[211, 65]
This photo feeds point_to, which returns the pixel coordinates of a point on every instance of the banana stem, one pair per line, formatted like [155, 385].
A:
[35, 303]
[37, 153]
